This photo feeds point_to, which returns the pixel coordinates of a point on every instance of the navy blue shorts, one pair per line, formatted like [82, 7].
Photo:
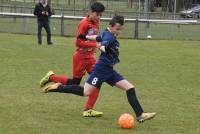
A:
[104, 73]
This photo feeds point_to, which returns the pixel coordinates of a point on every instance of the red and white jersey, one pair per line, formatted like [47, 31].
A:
[86, 27]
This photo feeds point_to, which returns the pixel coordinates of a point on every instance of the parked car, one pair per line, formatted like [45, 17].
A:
[191, 13]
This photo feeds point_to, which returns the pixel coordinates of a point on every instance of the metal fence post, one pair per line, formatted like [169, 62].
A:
[15, 10]
[24, 25]
[74, 7]
[136, 29]
[62, 25]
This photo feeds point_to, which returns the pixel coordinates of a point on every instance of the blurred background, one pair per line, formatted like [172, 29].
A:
[167, 13]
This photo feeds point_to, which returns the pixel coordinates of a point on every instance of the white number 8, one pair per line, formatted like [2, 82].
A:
[94, 81]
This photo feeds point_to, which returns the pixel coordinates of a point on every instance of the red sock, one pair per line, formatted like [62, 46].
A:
[59, 79]
[92, 99]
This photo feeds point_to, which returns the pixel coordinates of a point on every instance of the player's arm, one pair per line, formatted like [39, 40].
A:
[107, 43]
[36, 10]
[105, 46]
[101, 47]
[82, 42]
[86, 44]
[90, 37]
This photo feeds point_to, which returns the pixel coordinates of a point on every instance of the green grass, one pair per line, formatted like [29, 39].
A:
[165, 73]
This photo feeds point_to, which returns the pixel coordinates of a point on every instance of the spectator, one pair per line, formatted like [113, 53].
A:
[43, 12]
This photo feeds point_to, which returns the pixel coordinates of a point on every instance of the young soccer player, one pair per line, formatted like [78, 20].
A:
[104, 72]
[84, 58]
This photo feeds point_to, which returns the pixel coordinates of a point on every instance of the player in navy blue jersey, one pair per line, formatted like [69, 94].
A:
[104, 71]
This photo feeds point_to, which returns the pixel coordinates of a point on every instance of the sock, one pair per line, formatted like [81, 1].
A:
[74, 89]
[74, 81]
[59, 79]
[133, 101]
[92, 99]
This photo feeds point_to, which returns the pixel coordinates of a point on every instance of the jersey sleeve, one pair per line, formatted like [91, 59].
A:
[106, 39]
[83, 29]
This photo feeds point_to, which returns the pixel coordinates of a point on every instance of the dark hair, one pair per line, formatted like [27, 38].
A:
[97, 7]
[117, 19]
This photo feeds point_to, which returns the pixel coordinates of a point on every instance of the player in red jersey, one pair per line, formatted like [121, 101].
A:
[84, 57]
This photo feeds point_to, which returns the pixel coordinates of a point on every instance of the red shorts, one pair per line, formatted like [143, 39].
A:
[82, 64]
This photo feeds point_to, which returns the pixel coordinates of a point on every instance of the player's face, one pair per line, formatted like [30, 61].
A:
[95, 16]
[117, 29]
[43, 1]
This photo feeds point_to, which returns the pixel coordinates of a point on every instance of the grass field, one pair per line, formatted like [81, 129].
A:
[166, 74]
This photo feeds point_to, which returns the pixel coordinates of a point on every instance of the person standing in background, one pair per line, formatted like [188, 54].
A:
[43, 12]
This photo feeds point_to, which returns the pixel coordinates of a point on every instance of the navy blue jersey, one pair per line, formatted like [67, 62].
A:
[108, 38]
[103, 70]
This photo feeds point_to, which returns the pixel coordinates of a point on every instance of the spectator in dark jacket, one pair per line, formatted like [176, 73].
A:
[43, 12]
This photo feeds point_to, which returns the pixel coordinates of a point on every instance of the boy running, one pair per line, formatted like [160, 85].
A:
[84, 58]
[104, 72]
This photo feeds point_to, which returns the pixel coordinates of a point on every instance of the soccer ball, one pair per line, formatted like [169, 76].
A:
[149, 37]
[126, 121]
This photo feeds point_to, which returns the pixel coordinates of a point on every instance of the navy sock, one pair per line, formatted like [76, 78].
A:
[74, 89]
[74, 81]
[133, 101]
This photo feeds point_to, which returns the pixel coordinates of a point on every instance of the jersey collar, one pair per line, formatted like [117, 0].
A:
[88, 19]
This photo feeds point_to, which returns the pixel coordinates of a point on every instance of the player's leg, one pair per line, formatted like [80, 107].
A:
[59, 79]
[39, 34]
[131, 95]
[133, 101]
[82, 65]
[52, 77]
[65, 80]
[88, 90]
[73, 89]
[79, 66]
[93, 97]
[48, 31]
[95, 82]
[118, 81]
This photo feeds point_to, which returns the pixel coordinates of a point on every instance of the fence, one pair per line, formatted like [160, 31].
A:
[84, 11]
[79, 4]
[134, 28]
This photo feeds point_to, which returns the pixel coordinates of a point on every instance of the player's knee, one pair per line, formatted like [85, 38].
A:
[129, 86]
[87, 92]
[88, 89]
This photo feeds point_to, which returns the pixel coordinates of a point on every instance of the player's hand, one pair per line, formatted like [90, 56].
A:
[98, 38]
[102, 48]
[94, 38]
[81, 36]
[111, 50]
[47, 14]
[43, 12]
